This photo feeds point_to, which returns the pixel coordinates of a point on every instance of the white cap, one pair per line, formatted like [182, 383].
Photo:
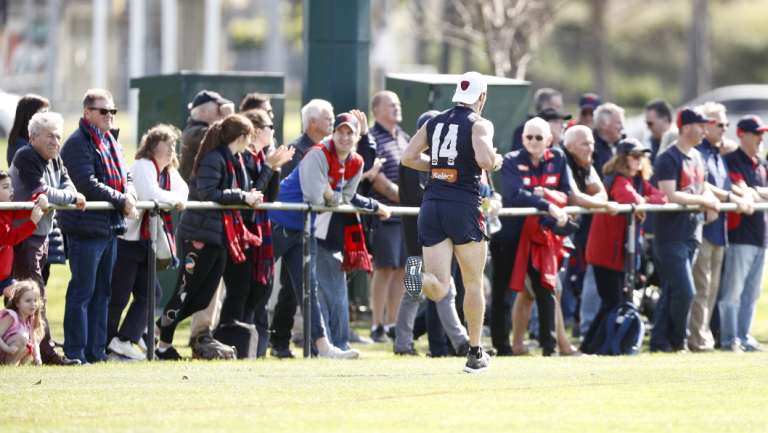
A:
[469, 88]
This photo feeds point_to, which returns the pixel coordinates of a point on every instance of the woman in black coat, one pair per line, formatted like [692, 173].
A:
[210, 237]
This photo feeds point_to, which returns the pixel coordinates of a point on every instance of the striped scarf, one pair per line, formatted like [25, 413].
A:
[262, 255]
[164, 181]
[108, 155]
[239, 238]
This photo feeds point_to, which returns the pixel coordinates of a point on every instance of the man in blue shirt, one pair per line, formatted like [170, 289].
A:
[743, 270]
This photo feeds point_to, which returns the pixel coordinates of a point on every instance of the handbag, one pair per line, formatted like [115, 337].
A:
[164, 256]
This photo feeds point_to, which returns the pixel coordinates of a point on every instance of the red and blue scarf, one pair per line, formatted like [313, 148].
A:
[109, 157]
[164, 181]
[239, 238]
[262, 254]
[355, 252]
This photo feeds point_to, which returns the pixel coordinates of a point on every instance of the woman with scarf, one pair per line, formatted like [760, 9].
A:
[211, 238]
[626, 180]
[155, 177]
[249, 285]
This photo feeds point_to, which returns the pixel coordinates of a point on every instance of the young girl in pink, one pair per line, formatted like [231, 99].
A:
[21, 324]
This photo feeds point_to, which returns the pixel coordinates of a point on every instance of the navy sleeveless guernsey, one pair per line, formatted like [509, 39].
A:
[454, 174]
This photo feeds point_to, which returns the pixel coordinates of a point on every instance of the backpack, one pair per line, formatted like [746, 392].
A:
[620, 332]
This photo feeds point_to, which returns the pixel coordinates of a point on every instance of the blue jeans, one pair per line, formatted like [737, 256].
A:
[590, 301]
[288, 246]
[332, 292]
[670, 324]
[85, 312]
[740, 288]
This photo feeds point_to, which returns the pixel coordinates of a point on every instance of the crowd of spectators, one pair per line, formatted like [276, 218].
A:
[548, 273]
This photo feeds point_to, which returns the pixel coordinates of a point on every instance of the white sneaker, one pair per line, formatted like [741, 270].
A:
[126, 349]
[336, 353]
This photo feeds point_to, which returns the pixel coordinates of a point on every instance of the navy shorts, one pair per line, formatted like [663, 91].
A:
[442, 219]
[388, 246]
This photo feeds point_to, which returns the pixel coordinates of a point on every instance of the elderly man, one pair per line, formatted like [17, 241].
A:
[658, 118]
[93, 157]
[609, 123]
[579, 145]
[38, 169]
[317, 121]
[681, 175]
[744, 258]
[389, 253]
[206, 108]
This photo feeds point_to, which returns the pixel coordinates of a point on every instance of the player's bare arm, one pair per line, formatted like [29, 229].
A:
[482, 143]
[413, 156]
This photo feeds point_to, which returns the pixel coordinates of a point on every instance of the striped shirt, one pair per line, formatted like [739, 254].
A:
[391, 149]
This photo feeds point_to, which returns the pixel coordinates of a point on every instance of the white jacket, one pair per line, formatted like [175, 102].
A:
[144, 176]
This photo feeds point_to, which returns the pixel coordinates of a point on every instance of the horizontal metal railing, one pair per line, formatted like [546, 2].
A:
[309, 234]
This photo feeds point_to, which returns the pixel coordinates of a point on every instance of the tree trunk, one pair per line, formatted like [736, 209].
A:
[599, 54]
[698, 71]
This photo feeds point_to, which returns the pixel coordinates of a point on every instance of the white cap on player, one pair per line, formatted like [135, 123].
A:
[469, 88]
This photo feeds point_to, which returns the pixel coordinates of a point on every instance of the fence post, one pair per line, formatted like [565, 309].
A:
[308, 239]
[631, 256]
[151, 277]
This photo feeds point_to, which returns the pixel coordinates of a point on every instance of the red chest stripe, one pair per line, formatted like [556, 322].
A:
[551, 180]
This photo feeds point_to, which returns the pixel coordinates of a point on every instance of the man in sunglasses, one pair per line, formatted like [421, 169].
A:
[658, 119]
[459, 145]
[94, 160]
[709, 260]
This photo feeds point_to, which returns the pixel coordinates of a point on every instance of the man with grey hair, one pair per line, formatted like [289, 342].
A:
[38, 169]
[316, 123]
[609, 123]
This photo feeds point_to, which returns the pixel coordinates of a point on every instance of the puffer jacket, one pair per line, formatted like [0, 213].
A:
[212, 182]
[88, 173]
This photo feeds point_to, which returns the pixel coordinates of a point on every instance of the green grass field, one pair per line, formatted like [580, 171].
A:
[718, 392]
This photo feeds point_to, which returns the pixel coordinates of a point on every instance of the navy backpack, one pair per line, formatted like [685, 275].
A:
[621, 332]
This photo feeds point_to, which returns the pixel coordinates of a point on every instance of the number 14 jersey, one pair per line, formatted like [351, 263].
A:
[454, 174]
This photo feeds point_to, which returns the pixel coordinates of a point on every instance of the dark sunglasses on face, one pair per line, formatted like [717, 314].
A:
[650, 124]
[104, 111]
[536, 137]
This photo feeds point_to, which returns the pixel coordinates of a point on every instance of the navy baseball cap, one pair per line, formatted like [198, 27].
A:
[553, 114]
[205, 96]
[631, 146]
[346, 119]
[689, 115]
[751, 124]
[589, 100]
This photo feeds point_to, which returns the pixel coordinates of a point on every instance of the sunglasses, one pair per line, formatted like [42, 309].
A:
[104, 111]
[649, 124]
[536, 137]
[723, 125]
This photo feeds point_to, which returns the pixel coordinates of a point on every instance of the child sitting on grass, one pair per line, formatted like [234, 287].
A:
[21, 324]
[10, 235]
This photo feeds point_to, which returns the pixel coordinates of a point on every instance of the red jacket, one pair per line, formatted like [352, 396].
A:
[607, 234]
[11, 236]
[541, 247]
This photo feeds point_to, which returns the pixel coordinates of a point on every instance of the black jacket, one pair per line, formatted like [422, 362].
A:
[87, 172]
[212, 182]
